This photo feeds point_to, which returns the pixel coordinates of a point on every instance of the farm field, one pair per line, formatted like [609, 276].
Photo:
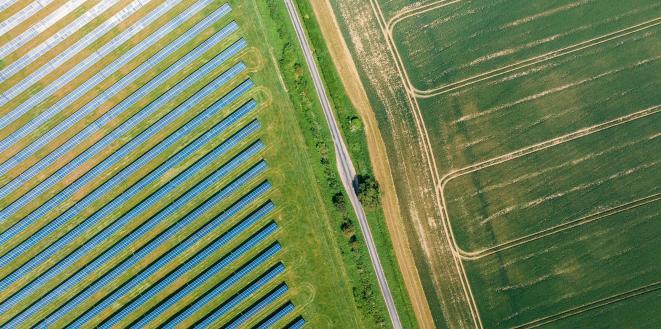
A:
[539, 126]
[465, 35]
[153, 172]
[579, 178]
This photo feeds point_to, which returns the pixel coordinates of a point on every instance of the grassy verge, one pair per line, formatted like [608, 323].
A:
[366, 292]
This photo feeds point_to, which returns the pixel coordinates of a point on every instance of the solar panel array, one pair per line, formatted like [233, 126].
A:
[133, 189]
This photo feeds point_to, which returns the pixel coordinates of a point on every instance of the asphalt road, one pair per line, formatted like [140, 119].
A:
[344, 164]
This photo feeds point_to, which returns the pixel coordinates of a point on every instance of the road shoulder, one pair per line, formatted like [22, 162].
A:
[378, 157]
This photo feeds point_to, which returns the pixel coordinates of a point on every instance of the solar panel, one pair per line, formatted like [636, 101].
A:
[217, 290]
[103, 74]
[127, 240]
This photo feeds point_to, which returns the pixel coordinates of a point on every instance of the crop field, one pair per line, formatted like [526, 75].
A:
[541, 121]
[143, 146]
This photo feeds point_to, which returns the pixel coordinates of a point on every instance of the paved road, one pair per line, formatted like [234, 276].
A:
[344, 164]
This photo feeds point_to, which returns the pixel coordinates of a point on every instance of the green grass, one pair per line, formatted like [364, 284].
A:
[369, 303]
[354, 135]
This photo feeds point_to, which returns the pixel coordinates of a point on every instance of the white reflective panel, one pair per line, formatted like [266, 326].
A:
[22, 15]
[39, 27]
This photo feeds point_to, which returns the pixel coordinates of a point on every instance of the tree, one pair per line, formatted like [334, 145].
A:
[368, 190]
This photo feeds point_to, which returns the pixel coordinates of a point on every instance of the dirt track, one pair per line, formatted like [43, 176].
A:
[354, 88]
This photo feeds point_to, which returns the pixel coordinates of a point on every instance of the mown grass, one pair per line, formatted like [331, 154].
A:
[329, 276]
[317, 139]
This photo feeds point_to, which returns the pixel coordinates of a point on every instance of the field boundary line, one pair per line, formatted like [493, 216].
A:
[428, 154]
[593, 305]
[475, 255]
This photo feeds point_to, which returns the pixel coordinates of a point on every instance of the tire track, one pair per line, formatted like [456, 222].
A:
[475, 255]
[431, 162]
[550, 143]
[538, 59]
[593, 305]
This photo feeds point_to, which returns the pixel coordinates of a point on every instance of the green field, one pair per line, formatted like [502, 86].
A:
[472, 38]
[316, 273]
[555, 186]
[570, 269]
[505, 76]
[543, 119]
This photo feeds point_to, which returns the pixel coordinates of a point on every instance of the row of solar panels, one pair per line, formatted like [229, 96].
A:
[41, 26]
[111, 69]
[43, 247]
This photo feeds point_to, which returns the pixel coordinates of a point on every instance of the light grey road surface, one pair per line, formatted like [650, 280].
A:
[344, 164]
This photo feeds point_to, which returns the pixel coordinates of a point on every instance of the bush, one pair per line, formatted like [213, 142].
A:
[368, 191]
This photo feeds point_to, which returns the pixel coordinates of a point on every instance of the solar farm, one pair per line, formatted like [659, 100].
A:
[142, 146]
[540, 127]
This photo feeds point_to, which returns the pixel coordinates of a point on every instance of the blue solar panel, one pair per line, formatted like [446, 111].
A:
[39, 27]
[81, 66]
[127, 240]
[297, 324]
[190, 263]
[194, 284]
[107, 117]
[276, 316]
[144, 251]
[251, 311]
[126, 195]
[122, 153]
[25, 13]
[95, 228]
[50, 43]
[115, 135]
[6, 4]
[219, 289]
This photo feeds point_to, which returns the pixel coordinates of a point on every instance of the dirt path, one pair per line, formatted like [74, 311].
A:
[354, 88]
